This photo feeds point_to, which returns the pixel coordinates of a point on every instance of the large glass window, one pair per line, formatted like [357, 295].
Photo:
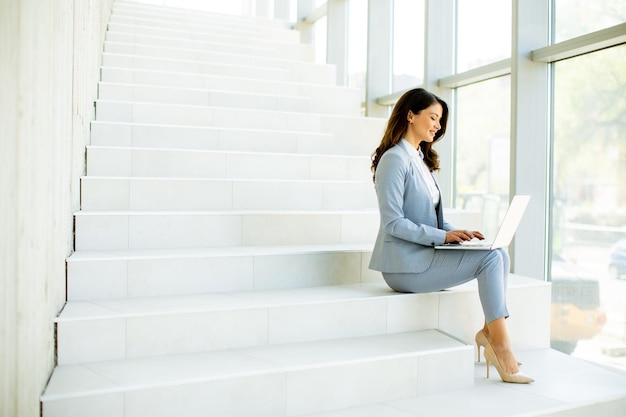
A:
[483, 32]
[589, 207]
[578, 17]
[408, 44]
[482, 150]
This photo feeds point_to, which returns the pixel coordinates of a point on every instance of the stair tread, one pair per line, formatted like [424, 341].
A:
[253, 180]
[165, 13]
[86, 255]
[562, 383]
[182, 304]
[194, 303]
[202, 90]
[181, 10]
[261, 111]
[200, 44]
[270, 82]
[227, 151]
[227, 128]
[143, 373]
[277, 63]
[220, 212]
[262, 52]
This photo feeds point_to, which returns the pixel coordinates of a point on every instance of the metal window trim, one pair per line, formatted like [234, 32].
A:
[591, 42]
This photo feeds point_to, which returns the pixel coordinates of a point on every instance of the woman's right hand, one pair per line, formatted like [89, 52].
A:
[459, 236]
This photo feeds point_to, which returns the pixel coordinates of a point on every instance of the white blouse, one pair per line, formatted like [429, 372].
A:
[418, 158]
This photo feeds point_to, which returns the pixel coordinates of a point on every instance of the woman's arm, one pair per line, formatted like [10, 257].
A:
[391, 175]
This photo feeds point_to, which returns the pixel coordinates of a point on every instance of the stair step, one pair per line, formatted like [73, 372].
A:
[200, 97]
[145, 273]
[121, 328]
[191, 47]
[564, 387]
[150, 136]
[112, 230]
[193, 163]
[125, 328]
[259, 33]
[345, 98]
[189, 115]
[230, 65]
[159, 12]
[278, 380]
[224, 98]
[127, 193]
[210, 25]
[219, 29]
[341, 136]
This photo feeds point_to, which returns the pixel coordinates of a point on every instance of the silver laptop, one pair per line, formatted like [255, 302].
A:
[507, 229]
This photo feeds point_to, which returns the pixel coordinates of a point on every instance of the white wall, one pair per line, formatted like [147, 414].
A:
[50, 52]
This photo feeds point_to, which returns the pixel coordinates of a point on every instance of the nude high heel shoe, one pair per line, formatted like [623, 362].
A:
[482, 341]
[516, 378]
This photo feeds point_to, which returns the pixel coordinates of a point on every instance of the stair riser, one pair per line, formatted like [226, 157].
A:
[217, 43]
[215, 52]
[180, 115]
[133, 162]
[199, 18]
[180, 230]
[289, 393]
[207, 33]
[133, 337]
[229, 35]
[226, 65]
[163, 194]
[228, 16]
[346, 105]
[122, 278]
[231, 28]
[350, 96]
[129, 92]
[209, 138]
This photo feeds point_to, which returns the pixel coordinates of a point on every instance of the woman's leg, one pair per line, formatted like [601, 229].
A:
[454, 267]
[451, 268]
[499, 341]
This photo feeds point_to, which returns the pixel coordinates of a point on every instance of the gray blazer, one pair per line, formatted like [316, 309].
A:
[410, 224]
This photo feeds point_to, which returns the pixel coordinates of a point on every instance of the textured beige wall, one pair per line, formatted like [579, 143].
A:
[50, 52]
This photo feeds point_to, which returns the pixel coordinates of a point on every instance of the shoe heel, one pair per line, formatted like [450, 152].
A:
[487, 361]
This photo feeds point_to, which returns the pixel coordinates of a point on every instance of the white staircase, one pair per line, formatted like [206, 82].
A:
[226, 222]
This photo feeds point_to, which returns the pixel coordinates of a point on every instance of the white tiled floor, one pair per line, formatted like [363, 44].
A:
[564, 386]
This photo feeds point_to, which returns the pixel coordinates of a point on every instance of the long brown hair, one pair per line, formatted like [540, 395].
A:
[415, 101]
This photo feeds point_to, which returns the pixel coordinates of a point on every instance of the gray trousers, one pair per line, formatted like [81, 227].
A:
[453, 267]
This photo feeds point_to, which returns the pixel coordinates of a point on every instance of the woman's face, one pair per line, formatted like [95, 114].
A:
[424, 125]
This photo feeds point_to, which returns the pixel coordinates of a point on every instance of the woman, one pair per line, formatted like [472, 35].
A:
[412, 223]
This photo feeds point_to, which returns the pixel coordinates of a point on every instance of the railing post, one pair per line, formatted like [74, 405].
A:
[379, 55]
[337, 38]
[305, 7]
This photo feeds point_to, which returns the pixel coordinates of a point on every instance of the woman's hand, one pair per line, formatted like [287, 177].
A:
[459, 236]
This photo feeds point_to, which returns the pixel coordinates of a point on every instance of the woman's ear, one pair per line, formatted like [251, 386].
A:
[409, 116]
